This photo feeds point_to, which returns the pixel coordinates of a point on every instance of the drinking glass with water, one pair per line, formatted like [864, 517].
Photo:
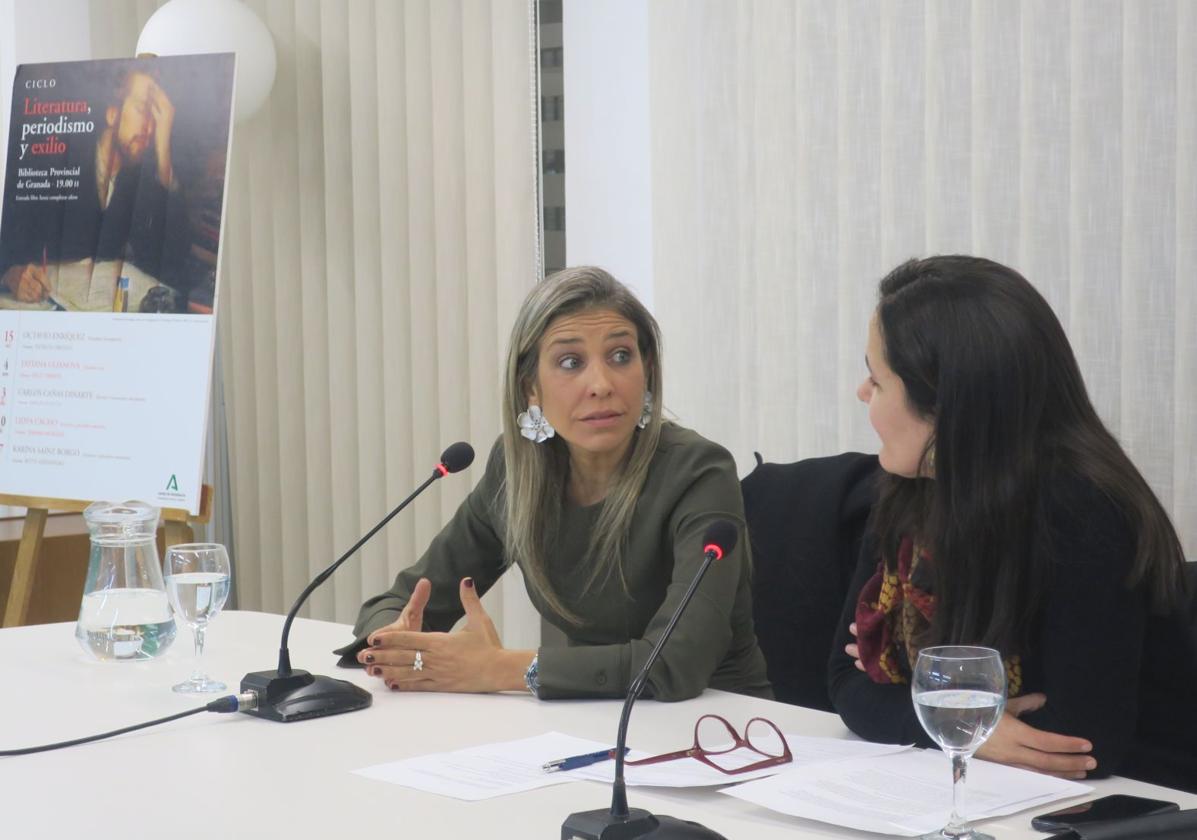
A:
[197, 583]
[959, 694]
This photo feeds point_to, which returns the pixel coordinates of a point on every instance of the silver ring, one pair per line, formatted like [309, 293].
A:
[418, 665]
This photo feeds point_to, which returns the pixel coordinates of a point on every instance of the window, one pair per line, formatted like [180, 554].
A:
[551, 108]
[554, 218]
[554, 161]
[550, 11]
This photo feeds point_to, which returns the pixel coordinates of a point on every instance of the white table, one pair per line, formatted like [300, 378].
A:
[216, 776]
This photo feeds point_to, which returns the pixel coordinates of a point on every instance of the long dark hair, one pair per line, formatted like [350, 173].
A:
[983, 357]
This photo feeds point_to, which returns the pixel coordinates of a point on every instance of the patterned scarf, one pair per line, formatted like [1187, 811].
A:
[895, 608]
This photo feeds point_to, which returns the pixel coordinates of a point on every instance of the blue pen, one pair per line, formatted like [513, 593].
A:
[576, 761]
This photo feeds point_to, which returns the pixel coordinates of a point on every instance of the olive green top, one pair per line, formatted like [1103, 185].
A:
[691, 482]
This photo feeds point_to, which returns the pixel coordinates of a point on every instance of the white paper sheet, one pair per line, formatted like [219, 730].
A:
[690, 772]
[487, 771]
[907, 793]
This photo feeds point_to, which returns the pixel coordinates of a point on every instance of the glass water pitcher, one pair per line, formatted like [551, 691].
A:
[125, 615]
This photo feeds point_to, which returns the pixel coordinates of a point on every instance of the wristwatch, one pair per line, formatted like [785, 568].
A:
[532, 676]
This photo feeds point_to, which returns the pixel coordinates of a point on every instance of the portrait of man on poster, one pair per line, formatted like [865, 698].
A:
[128, 206]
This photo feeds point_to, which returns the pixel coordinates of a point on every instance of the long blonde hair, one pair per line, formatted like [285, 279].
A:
[534, 487]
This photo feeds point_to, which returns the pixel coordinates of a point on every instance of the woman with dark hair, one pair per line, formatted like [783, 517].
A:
[601, 503]
[1009, 516]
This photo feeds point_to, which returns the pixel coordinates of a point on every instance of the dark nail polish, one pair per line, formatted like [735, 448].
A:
[376, 672]
[374, 643]
[469, 583]
[369, 657]
[395, 687]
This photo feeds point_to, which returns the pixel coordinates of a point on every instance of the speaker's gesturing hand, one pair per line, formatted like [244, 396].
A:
[471, 659]
[412, 617]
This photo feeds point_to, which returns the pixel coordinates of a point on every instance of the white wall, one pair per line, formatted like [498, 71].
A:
[33, 31]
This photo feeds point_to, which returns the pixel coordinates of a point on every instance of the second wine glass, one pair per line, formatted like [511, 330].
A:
[959, 694]
[197, 583]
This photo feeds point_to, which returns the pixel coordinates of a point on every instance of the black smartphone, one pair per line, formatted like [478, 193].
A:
[1118, 806]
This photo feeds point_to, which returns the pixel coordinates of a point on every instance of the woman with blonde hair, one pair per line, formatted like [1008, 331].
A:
[601, 504]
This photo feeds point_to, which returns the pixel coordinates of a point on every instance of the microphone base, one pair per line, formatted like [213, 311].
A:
[300, 695]
[601, 825]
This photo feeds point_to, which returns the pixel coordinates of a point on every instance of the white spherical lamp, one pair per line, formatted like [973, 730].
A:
[185, 27]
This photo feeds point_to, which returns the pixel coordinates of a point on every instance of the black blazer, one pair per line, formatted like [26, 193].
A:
[805, 521]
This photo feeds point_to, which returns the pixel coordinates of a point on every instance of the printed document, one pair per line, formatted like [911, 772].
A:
[487, 771]
[907, 793]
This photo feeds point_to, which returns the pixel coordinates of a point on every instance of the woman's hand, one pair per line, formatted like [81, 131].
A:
[472, 659]
[1021, 745]
[412, 617]
[853, 649]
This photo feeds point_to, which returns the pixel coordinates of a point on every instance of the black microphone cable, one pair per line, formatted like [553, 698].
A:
[221, 705]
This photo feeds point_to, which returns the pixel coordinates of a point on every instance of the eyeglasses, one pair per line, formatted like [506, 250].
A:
[714, 737]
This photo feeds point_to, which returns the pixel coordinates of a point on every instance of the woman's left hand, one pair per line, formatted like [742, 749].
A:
[1021, 745]
[472, 659]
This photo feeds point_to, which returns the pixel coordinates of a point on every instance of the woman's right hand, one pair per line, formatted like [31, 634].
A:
[853, 649]
[1022, 745]
[412, 617]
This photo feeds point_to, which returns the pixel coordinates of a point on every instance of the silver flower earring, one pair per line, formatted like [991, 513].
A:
[646, 413]
[534, 425]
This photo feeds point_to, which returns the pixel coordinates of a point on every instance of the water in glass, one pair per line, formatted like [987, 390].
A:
[125, 624]
[960, 720]
[197, 596]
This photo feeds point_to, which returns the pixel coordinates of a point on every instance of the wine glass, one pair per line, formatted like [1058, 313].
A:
[197, 583]
[959, 695]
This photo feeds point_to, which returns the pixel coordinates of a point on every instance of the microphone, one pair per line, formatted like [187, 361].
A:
[621, 822]
[288, 695]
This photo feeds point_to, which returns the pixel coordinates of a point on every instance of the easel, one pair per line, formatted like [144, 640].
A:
[175, 522]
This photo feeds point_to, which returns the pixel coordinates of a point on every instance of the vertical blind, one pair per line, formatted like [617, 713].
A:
[802, 149]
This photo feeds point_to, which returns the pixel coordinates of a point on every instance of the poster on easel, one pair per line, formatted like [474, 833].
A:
[110, 231]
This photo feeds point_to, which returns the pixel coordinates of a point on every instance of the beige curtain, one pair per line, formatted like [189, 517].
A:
[380, 233]
[801, 149]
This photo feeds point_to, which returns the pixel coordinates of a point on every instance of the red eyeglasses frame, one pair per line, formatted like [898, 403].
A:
[738, 742]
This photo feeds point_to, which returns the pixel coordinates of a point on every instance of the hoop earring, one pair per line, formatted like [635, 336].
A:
[646, 412]
[534, 425]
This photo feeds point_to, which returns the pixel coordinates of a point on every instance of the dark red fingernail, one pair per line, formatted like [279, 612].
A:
[374, 643]
[369, 657]
[469, 583]
[395, 687]
[376, 672]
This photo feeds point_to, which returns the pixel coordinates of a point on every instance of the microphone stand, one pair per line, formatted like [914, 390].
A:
[622, 822]
[286, 695]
